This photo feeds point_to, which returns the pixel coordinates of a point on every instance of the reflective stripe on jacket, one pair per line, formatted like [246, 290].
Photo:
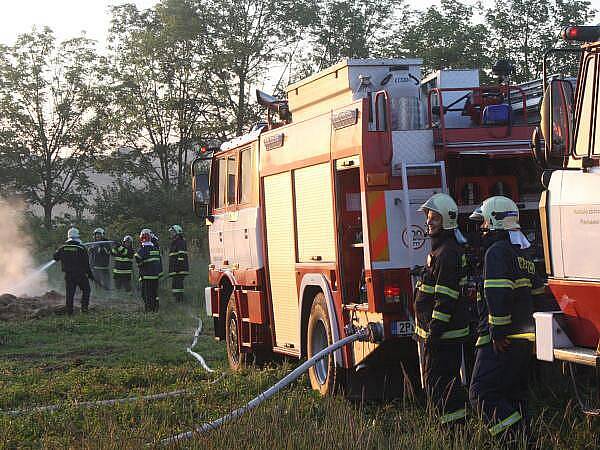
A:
[149, 262]
[441, 308]
[123, 260]
[178, 257]
[505, 300]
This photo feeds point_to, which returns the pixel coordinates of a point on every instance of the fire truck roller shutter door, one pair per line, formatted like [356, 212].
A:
[314, 214]
[281, 254]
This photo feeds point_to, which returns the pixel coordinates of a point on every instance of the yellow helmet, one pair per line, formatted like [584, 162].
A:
[501, 213]
[446, 207]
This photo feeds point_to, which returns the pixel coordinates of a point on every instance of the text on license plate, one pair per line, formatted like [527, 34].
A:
[402, 328]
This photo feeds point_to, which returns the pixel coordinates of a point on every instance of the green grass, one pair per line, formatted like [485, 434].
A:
[119, 351]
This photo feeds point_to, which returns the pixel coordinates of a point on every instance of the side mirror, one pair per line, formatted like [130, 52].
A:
[555, 128]
[201, 188]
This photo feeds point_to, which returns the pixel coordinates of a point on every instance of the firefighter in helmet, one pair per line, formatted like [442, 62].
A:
[100, 259]
[442, 311]
[123, 263]
[506, 330]
[178, 262]
[76, 265]
[150, 267]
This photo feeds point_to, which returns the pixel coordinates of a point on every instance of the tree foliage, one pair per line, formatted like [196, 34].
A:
[522, 30]
[159, 71]
[355, 29]
[245, 37]
[52, 118]
[445, 36]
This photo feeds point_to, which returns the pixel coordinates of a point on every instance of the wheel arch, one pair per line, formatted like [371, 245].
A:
[311, 285]
[226, 286]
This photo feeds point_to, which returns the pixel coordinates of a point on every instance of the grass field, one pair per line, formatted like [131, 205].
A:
[119, 351]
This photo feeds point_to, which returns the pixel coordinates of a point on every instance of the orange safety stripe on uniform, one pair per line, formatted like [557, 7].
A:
[380, 250]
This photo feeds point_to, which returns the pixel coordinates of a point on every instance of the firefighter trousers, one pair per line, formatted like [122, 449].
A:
[442, 379]
[149, 295]
[72, 282]
[123, 282]
[499, 386]
[177, 287]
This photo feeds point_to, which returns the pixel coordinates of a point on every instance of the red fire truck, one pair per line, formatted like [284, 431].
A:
[313, 220]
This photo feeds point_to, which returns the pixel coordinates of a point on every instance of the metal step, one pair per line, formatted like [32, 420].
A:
[578, 355]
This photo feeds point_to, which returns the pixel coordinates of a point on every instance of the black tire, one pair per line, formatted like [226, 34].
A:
[324, 376]
[237, 359]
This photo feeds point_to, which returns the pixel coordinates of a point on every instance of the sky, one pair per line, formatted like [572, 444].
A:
[68, 18]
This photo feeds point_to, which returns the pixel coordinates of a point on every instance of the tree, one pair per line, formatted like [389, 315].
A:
[245, 37]
[355, 29]
[446, 37]
[160, 85]
[52, 118]
[522, 30]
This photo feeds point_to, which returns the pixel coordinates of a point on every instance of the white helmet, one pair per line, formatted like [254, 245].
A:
[145, 235]
[501, 213]
[73, 233]
[446, 207]
[99, 231]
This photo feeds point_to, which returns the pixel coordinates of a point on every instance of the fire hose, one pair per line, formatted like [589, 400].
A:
[370, 333]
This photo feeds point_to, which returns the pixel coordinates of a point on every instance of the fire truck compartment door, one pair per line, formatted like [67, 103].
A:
[314, 214]
[281, 254]
[580, 223]
[391, 221]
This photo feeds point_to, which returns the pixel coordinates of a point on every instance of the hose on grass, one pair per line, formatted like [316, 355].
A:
[191, 351]
[92, 404]
[360, 334]
[111, 402]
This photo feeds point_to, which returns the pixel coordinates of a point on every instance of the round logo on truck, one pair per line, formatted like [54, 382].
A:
[417, 236]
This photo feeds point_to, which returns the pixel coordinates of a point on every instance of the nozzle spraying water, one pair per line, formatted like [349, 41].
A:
[31, 278]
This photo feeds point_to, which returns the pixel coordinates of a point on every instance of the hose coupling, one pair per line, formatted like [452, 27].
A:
[373, 332]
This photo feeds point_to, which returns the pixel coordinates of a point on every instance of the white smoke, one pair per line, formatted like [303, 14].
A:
[18, 272]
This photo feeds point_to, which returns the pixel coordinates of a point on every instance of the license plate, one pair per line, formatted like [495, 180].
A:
[402, 328]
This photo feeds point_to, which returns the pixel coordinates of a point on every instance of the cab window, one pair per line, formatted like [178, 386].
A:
[585, 126]
[247, 168]
[221, 183]
[231, 172]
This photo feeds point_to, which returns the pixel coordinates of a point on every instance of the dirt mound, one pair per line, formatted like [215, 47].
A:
[19, 308]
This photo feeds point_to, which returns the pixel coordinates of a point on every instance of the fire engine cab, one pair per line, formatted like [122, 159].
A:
[313, 221]
[567, 145]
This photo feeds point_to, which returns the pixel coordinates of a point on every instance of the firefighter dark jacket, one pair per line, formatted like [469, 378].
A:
[441, 308]
[123, 258]
[178, 257]
[100, 256]
[74, 259]
[149, 262]
[511, 287]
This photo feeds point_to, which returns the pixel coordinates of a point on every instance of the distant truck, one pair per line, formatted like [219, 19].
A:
[313, 220]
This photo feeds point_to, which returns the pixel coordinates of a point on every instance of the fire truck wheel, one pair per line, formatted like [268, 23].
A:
[237, 359]
[323, 375]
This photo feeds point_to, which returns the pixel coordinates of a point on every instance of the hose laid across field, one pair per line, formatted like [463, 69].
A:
[92, 404]
[191, 351]
[285, 381]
